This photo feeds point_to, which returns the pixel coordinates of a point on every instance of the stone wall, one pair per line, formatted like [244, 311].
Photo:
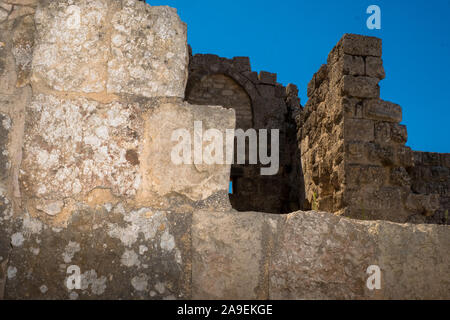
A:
[430, 175]
[88, 190]
[353, 148]
[314, 255]
[91, 93]
[260, 103]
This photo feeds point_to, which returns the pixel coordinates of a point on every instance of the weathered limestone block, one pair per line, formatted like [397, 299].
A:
[358, 45]
[73, 146]
[423, 204]
[123, 47]
[374, 68]
[120, 253]
[414, 261]
[149, 51]
[267, 77]
[352, 65]
[360, 87]
[72, 45]
[377, 109]
[321, 256]
[364, 175]
[195, 180]
[359, 130]
[404, 157]
[231, 254]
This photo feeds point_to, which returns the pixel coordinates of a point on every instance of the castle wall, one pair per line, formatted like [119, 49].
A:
[353, 148]
[431, 175]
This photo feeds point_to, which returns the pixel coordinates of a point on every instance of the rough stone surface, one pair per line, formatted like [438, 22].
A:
[124, 47]
[73, 146]
[149, 54]
[72, 45]
[320, 256]
[160, 175]
[358, 45]
[353, 149]
[231, 254]
[106, 246]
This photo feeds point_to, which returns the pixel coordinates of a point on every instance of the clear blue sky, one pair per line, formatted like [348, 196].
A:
[293, 38]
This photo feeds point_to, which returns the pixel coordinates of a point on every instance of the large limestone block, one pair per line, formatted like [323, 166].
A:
[73, 146]
[231, 254]
[358, 45]
[377, 109]
[72, 45]
[123, 47]
[161, 175]
[149, 53]
[414, 261]
[76, 146]
[119, 253]
[321, 256]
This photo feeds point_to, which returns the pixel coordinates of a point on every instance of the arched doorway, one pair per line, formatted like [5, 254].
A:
[222, 90]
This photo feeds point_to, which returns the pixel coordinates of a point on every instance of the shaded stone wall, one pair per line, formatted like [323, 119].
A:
[431, 175]
[353, 145]
[260, 103]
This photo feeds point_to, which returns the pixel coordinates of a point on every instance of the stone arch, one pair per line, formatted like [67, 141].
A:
[222, 90]
[272, 107]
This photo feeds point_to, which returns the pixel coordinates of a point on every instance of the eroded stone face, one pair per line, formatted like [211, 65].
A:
[73, 146]
[107, 247]
[160, 175]
[149, 53]
[72, 45]
[321, 256]
[124, 47]
[231, 254]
